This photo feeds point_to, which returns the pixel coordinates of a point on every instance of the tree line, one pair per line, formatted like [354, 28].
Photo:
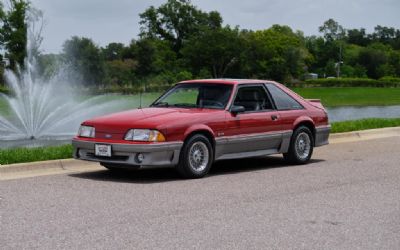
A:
[179, 41]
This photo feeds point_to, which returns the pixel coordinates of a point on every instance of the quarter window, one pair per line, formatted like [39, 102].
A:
[283, 101]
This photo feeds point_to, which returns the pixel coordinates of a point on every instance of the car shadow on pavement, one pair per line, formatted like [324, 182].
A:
[253, 164]
[159, 175]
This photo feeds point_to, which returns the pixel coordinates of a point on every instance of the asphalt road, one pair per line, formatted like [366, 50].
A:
[347, 198]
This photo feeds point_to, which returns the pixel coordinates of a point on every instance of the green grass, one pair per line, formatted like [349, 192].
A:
[347, 126]
[20, 155]
[334, 97]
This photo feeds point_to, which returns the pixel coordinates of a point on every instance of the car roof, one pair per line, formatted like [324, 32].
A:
[228, 81]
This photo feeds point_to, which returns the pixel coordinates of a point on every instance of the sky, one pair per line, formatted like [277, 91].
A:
[107, 21]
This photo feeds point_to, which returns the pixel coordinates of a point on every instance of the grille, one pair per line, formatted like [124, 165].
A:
[112, 158]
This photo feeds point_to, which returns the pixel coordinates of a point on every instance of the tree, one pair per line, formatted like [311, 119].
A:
[113, 51]
[14, 32]
[332, 30]
[357, 36]
[220, 50]
[121, 72]
[373, 58]
[85, 58]
[276, 53]
[154, 56]
[175, 21]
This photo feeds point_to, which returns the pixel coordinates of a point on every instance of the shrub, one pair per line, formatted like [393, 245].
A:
[350, 82]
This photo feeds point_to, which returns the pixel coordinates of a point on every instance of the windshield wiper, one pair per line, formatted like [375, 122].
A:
[185, 105]
[160, 104]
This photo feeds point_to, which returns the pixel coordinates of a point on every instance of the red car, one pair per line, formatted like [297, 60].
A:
[201, 121]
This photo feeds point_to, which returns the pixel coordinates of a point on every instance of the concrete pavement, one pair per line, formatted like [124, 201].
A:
[347, 198]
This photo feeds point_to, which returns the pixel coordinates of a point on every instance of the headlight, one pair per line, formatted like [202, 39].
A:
[86, 131]
[144, 135]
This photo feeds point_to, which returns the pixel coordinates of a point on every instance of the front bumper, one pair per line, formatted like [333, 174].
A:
[155, 154]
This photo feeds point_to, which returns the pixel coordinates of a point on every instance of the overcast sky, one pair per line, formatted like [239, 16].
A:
[108, 21]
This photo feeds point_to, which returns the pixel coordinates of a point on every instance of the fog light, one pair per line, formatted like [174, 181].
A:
[139, 158]
[81, 153]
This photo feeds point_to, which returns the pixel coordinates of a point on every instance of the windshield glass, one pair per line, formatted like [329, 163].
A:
[196, 95]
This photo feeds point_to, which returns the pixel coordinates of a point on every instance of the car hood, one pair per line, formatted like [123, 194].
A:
[151, 118]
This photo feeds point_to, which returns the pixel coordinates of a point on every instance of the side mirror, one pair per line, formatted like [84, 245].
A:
[237, 109]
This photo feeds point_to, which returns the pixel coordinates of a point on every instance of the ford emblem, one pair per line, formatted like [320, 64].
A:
[108, 136]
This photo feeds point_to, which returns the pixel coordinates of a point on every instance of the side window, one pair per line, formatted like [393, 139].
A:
[282, 100]
[253, 98]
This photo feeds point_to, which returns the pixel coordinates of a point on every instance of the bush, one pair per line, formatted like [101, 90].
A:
[390, 79]
[350, 82]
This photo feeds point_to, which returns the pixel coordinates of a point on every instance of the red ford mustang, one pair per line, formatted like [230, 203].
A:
[198, 122]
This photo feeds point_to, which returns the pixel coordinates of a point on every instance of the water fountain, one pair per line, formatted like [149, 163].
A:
[43, 111]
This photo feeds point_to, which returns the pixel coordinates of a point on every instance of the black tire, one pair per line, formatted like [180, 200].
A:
[200, 164]
[302, 155]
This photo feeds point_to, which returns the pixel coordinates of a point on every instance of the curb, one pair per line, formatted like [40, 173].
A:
[364, 135]
[65, 164]
[72, 164]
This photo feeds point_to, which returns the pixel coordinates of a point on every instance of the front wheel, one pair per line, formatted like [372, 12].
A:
[196, 157]
[301, 146]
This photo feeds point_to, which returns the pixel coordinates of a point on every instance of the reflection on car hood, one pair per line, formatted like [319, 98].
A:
[153, 118]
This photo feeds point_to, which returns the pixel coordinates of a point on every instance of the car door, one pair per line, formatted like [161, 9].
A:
[255, 129]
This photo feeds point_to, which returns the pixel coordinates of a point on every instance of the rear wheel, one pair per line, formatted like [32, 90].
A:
[301, 146]
[196, 157]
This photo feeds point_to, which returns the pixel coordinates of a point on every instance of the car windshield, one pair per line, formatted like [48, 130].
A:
[196, 95]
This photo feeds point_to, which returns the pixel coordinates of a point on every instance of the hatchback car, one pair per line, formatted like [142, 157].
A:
[198, 122]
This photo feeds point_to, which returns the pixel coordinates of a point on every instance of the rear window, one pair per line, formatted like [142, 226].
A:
[283, 101]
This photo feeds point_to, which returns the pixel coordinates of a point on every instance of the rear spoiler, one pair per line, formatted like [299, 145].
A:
[316, 103]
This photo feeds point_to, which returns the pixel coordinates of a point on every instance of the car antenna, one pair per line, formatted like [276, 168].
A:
[140, 99]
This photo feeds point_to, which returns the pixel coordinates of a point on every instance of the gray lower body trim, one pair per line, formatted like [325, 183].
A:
[160, 154]
[235, 147]
[322, 135]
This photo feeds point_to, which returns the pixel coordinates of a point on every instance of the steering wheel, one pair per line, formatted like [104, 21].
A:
[213, 103]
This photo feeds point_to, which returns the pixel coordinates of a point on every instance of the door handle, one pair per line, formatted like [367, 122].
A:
[274, 117]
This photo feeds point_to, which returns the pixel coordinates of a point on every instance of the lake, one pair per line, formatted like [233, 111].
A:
[356, 113]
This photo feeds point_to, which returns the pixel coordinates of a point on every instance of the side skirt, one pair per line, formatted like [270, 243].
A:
[252, 145]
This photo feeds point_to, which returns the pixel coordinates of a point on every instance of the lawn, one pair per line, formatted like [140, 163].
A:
[371, 123]
[334, 97]
[20, 155]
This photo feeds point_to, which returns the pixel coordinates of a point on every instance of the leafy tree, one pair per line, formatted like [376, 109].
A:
[276, 53]
[373, 57]
[113, 51]
[14, 31]
[85, 57]
[121, 72]
[175, 21]
[220, 50]
[332, 30]
[357, 36]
